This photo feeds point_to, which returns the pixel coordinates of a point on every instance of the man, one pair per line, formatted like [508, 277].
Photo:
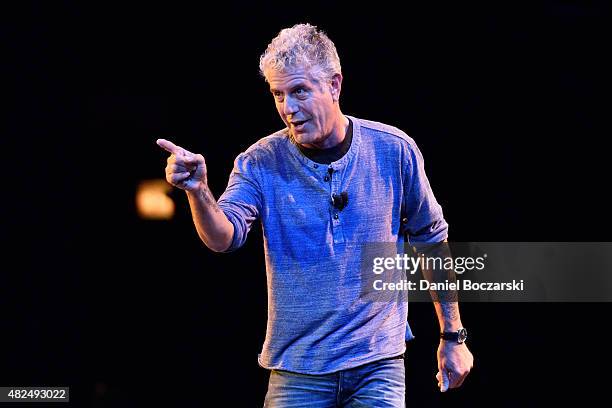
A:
[313, 185]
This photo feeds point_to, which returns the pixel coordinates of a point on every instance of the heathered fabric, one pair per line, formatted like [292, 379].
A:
[317, 322]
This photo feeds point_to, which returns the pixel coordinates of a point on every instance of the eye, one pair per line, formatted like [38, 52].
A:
[278, 95]
[300, 93]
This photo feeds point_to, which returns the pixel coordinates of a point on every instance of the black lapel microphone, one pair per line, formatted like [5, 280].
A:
[340, 200]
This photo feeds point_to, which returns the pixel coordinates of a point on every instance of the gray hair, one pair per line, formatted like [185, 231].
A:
[302, 46]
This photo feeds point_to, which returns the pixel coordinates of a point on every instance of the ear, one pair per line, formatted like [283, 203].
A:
[336, 86]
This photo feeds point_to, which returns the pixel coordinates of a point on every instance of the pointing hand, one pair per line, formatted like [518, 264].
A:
[185, 170]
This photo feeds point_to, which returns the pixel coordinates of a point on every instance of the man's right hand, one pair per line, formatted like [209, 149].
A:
[185, 170]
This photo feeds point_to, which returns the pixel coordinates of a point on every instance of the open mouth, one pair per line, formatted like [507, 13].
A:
[298, 124]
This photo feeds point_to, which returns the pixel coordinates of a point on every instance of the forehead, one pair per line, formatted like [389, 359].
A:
[289, 78]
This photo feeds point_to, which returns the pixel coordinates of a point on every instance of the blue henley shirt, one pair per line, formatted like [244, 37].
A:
[317, 321]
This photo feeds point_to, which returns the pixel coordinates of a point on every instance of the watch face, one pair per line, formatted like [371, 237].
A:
[462, 335]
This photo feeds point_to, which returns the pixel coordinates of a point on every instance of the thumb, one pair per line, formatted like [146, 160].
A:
[443, 380]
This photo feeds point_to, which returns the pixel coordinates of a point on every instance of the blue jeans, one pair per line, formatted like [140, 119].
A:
[377, 384]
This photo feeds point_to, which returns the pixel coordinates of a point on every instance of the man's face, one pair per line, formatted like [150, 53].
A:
[305, 104]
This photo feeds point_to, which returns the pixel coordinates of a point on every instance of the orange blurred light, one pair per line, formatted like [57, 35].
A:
[152, 200]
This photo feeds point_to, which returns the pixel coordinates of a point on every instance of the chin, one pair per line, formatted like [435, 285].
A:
[308, 138]
[303, 138]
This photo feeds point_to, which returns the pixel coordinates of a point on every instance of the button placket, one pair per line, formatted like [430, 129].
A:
[335, 182]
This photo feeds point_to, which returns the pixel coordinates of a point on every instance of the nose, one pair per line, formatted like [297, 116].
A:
[290, 106]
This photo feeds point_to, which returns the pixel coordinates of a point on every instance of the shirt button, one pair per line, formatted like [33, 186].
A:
[335, 216]
[316, 166]
[326, 178]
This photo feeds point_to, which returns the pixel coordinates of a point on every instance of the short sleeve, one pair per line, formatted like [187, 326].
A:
[242, 200]
[425, 220]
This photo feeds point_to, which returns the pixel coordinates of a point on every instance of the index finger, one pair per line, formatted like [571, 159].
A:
[169, 146]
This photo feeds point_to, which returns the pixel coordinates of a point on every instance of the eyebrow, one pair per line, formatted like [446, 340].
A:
[293, 88]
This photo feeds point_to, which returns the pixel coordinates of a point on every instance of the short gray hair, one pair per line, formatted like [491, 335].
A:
[302, 46]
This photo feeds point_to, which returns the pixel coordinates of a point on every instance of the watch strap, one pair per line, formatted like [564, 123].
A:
[458, 336]
[449, 336]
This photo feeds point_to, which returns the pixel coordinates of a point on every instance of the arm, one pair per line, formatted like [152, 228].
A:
[445, 301]
[426, 223]
[454, 359]
[213, 227]
[187, 171]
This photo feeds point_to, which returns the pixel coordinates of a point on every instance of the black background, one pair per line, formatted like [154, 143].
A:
[506, 102]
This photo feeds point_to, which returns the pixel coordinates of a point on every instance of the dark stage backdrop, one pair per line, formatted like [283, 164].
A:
[507, 102]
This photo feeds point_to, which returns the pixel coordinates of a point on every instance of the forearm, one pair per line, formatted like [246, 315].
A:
[445, 298]
[212, 225]
[448, 316]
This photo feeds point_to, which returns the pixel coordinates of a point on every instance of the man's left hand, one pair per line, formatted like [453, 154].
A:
[454, 364]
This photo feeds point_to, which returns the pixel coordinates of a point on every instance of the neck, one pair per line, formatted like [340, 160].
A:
[336, 136]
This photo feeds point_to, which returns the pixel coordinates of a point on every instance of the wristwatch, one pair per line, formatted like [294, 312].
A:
[459, 336]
